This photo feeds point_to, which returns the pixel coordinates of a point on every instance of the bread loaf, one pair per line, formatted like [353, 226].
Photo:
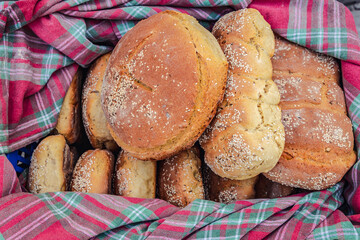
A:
[69, 120]
[92, 114]
[134, 177]
[266, 188]
[246, 137]
[51, 166]
[162, 85]
[226, 190]
[93, 172]
[179, 178]
[319, 138]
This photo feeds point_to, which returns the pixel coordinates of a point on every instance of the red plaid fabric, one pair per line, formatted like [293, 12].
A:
[42, 45]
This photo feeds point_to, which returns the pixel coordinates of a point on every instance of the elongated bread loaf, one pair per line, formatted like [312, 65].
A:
[319, 139]
[246, 137]
[162, 86]
[92, 114]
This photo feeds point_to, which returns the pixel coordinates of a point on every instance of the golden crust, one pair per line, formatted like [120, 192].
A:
[69, 120]
[319, 139]
[93, 172]
[226, 190]
[246, 136]
[266, 188]
[92, 114]
[134, 177]
[50, 168]
[162, 85]
[179, 178]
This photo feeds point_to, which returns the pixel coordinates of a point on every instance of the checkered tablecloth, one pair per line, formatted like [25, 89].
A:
[43, 42]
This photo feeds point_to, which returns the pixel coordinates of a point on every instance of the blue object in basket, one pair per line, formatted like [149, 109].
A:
[20, 158]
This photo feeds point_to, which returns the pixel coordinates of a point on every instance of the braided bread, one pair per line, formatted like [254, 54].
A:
[246, 137]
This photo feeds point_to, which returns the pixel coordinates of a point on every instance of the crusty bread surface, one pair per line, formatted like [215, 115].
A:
[92, 114]
[266, 188]
[246, 136]
[134, 177]
[69, 119]
[93, 172]
[226, 190]
[179, 178]
[162, 85]
[319, 139]
[51, 166]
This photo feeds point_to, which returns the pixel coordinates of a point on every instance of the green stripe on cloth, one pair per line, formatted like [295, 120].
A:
[58, 209]
[137, 213]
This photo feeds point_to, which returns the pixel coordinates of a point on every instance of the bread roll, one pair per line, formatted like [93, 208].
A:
[69, 120]
[51, 166]
[226, 190]
[246, 137]
[134, 177]
[179, 178]
[319, 139]
[93, 172]
[93, 116]
[266, 188]
[162, 85]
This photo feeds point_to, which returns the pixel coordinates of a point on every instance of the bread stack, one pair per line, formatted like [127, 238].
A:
[170, 86]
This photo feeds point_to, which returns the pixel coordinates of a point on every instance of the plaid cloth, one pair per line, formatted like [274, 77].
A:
[42, 45]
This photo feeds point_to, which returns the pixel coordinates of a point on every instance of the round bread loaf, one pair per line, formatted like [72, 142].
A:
[179, 178]
[134, 177]
[51, 166]
[319, 139]
[93, 172]
[266, 188]
[162, 85]
[93, 116]
[226, 190]
[246, 136]
[69, 120]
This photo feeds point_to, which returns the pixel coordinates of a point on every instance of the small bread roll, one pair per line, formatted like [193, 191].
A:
[92, 114]
[246, 137]
[162, 86]
[226, 190]
[51, 166]
[179, 178]
[266, 188]
[69, 121]
[134, 177]
[93, 171]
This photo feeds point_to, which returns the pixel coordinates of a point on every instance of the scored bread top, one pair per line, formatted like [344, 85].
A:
[319, 139]
[162, 85]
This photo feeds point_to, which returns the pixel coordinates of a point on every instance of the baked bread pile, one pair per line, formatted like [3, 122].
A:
[178, 113]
